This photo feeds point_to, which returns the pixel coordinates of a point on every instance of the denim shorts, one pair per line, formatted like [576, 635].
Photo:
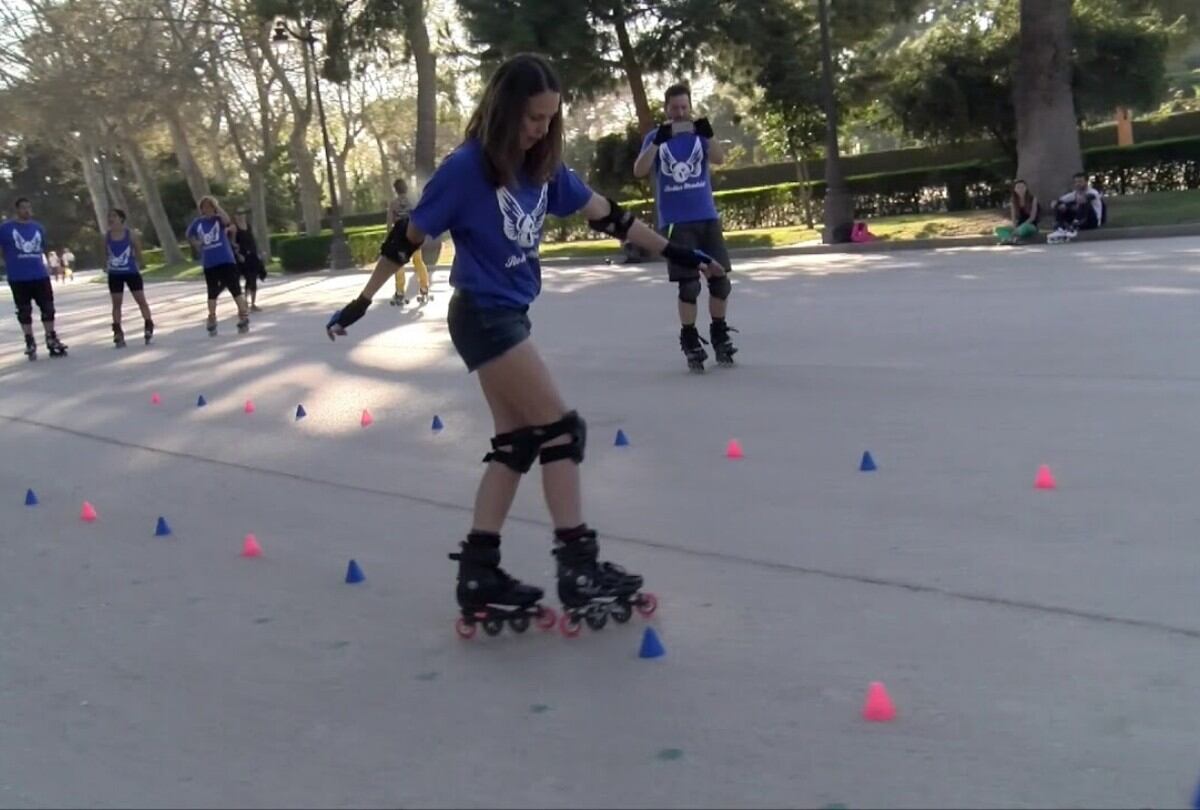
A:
[481, 334]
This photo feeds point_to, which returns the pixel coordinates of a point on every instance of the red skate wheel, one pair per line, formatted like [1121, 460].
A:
[546, 618]
[646, 604]
[464, 628]
[569, 625]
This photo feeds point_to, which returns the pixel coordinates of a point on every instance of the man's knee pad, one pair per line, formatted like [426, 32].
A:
[570, 425]
[689, 291]
[517, 449]
[719, 287]
[47, 312]
[25, 314]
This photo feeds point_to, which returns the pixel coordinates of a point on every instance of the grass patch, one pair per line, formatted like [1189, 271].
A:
[189, 271]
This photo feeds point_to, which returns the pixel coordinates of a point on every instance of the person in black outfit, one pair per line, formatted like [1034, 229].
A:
[249, 262]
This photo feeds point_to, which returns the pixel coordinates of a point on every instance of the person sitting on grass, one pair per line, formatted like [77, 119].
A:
[1025, 211]
[1080, 209]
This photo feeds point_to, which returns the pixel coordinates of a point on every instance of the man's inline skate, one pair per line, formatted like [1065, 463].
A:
[690, 341]
[55, 346]
[30, 347]
[591, 591]
[148, 332]
[723, 347]
[488, 596]
[118, 336]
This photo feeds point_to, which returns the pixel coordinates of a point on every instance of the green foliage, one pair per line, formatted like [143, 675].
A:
[52, 182]
[302, 253]
[611, 171]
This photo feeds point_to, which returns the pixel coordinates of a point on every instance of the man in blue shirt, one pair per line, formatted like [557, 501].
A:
[23, 243]
[679, 153]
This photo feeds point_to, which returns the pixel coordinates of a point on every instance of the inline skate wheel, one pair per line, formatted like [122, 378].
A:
[464, 628]
[569, 625]
[519, 624]
[646, 604]
[621, 612]
[546, 618]
[493, 627]
[596, 619]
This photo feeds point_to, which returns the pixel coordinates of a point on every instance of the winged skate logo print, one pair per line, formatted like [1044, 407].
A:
[210, 238]
[28, 247]
[119, 261]
[520, 227]
[682, 170]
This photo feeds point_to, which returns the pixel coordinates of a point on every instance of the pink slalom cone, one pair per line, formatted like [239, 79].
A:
[1044, 478]
[88, 513]
[366, 420]
[734, 449]
[878, 707]
[249, 406]
[250, 547]
[155, 399]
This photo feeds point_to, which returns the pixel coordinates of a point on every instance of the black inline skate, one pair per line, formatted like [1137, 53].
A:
[148, 332]
[243, 325]
[488, 596]
[30, 347]
[690, 341]
[211, 326]
[118, 336]
[723, 347]
[55, 346]
[591, 591]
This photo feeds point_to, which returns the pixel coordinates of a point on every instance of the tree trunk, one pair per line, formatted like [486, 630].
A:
[805, 190]
[343, 183]
[112, 183]
[154, 204]
[216, 155]
[633, 72]
[310, 189]
[258, 213]
[93, 176]
[1047, 128]
[426, 63]
[385, 171]
[839, 206]
[197, 182]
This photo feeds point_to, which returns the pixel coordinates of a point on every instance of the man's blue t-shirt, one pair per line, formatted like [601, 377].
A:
[215, 249]
[496, 231]
[24, 248]
[681, 175]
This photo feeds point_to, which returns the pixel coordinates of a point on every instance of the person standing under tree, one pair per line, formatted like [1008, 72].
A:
[55, 265]
[679, 153]
[492, 194]
[211, 235]
[123, 263]
[22, 241]
[68, 264]
[397, 208]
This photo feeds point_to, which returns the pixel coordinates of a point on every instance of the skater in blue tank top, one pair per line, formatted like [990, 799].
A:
[123, 264]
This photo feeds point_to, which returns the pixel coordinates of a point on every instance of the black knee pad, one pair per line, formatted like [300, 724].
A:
[47, 312]
[720, 287]
[25, 315]
[689, 291]
[570, 425]
[517, 449]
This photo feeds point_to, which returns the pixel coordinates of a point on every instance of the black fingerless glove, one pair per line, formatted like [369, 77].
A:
[349, 313]
[663, 134]
[685, 257]
[704, 128]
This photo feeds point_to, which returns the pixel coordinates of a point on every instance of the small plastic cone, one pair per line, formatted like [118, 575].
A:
[366, 419]
[437, 423]
[201, 401]
[249, 406]
[30, 498]
[162, 529]
[354, 574]
[1045, 478]
[878, 707]
[155, 399]
[651, 646]
[868, 463]
[250, 547]
[88, 512]
[734, 450]
[622, 440]
[300, 412]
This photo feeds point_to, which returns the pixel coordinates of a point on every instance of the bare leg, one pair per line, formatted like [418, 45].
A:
[117, 299]
[140, 297]
[687, 314]
[717, 306]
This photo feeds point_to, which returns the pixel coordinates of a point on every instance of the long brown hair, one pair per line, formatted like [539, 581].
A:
[1025, 204]
[497, 121]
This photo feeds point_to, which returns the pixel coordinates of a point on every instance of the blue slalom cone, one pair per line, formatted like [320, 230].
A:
[201, 401]
[868, 463]
[354, 574]
[162, 529]
[651, 646]
[1196, 799]
[437, 423]
[30, 498]
[300, 412]
[622, 440]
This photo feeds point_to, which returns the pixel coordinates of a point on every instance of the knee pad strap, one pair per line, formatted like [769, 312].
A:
[570, 425]
[517, 449]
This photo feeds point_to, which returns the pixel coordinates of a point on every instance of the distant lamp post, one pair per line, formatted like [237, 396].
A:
[839, 206]
[339, 250]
